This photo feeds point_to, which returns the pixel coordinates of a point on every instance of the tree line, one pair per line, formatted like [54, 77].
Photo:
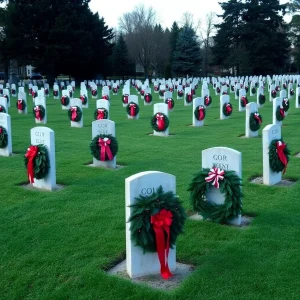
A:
[66, 37]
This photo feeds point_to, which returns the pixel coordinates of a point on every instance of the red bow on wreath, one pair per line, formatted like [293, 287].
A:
[160, 121]
[105, 97]
[200, 113]
[63, 99]
[257, 117]
[105, 149]
[38, 113]
[228, 109]
[244, 100]
[161, 223]
[147, 98]
[13, 91]
[55, 93]
[82, 98]
[190, 97]
[125, 99]
[206, 100]
[156, 88]
[1, 131]
[94, 92]
[142, 92]
[169, 101]
[20, 106]
[214, 175]
[280, 146]
[100, 114]
[281, 111]
[74, 113]
[31, 153]
[132, 109]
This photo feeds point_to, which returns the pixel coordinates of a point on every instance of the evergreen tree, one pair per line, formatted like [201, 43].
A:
[173, 39]
[187, 56]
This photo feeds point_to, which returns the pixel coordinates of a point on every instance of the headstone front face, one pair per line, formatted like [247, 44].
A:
[3, 103]
[145, 183]
[223, 99]
[45, 136]
[134, 99]
[65, 93]
[6, 93]
[188, 93]
[226, 159]
[104, 127]
[250, 108]
[21, 98]
[77, 102]
[196, 102]
[103, 104]
[270, 132]
[242, 93]
[40, 100]
[161, 108]
[277, 102]
[6, 124]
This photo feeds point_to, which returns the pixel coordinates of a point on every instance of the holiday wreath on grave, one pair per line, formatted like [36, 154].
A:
[3, 137]
[55, 93]
[292, 92]
[104, 147]
[46, 91]
[218, 90]
[34, 94]
[65, 100]
[75, 113]
[170, 103]
[100, 113]
[39, 112]
[125, 99]
[278, 155]
[37, 162]
[95, 92]
[227, 109]
[148, 98]
[161, 93]
[188, 98]
[115, 90]
[155, 222]
[83, 98]
[142, 92]
[228, 183]
[2, 109]
[244, 101]
[6, 97]
[285, 104]
[13, 92]
[200, 113]
[132, 109]
[280, 113]
[207, 100]
[159, 122]
[262, 99]
[255, 121]
[253, 90]
[105, 97]
[21, 104]
[180, 93]
[273, 93]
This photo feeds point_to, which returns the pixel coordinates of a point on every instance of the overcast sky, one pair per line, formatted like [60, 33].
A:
[168, 10]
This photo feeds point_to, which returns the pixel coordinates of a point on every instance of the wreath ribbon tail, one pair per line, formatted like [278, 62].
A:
[31, 154]
[280, 148]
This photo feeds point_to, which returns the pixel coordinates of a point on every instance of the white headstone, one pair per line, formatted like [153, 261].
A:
[145, 183]
[297, 97]
[199, 101]
[40, 100]
[250, 108]
[6, 124]
[188, 93]
[7, 94]
[161, 108]
[224, 99]
[22, 98]
[242, 93]
[73, 103]
[277, 102]
[65, 93]
[103, 104]
[4, 104]
[134, 99]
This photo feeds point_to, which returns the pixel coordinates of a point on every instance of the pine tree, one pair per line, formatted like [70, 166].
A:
[173, 39]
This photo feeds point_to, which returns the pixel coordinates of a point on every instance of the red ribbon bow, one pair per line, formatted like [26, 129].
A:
[190, 97]
[257, 117]
[63, 98]
[147, 98]
[125, 99]
[105, 97]
[82, 98]
[100, 114]
[244, 100]
[160, 121]
[132, 109]
[280, 146]
[228, 108]
[201, 113]
[38, 113]
[161, 224]
[214, 175]
[206, 100]
[105, 149]
[31, 153]
[169, 103]
[20, 107]
[281, 111]
[74, 113]
[1, 130]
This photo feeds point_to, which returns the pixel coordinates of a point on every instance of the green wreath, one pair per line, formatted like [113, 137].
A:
[292, 92]
[279, 115]
[65, 100]
[227, 114]
[232, 88]
[154, 123]
[298, 99]
[275, 163]
[23, 104]
[136, 111]
[262, 99]
[230, 186]
[96, 149]
[196, 112]
[172, 102]
[55, 93]
[285, 104]
[207, 100]
[254, 123]
[180, 93]
[94, 92]
[78, 113]
[105, 112]
[244, 103]
[125, 98]
[148, 98]
[246, 89]
[237, 92]
[7, 98]
[141, 231]
[161, 93]
[84, 99]
[253, 90]
[41, 162]
[3, 137]
[41, 109]
[2, 109]
[273, 93]
[188, 98]
[105, 97]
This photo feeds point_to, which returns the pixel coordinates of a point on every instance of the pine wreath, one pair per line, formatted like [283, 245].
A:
[246, 89]
[244, 101]
[180, 93]
[34, 94]
[55, 93]
[100, 113]
[280, 113]
[277, 88]
[104, 147]
[65, 100]
[75, 113]
[142, 92]
[46, 91]
[262, 99]
[227, 109]
[253, 90]
[278, 155]
[2, 109]
[39, 112]
[148, 98]
[40, 160]
[160, 122]
[229, 184]
[273, 93]
[232, 88]
[170, 102]
[21, 104]
[13, 92]
[225, 93]
[132, 109]
[200, 113]
[125, 98]
[105, 97]
[161, 93]
[3, 137]
[7, 98]
[285, 104]
[142, 233]
[284, 85]
[254, 121]
[207, 100]
[218, 90]
[188, 98]
[84, 99]
[292, 92]
[94, 92]
[237, 92]
[115, 90]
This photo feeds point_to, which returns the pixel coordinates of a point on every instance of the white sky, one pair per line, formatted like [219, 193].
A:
[168, 10]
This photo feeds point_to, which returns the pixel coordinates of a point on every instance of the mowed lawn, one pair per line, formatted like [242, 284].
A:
[58, 245]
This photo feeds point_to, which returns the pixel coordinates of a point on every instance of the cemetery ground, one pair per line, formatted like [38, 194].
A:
[59, 245]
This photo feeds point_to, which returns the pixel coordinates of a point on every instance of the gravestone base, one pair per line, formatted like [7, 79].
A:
[28, 186]
[283, 182]
[181, 272]
[109, 164]
[161, 133]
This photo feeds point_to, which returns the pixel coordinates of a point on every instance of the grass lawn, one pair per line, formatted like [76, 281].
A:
[57, 245]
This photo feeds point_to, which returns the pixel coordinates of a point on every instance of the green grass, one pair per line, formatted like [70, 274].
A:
[57, 245]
